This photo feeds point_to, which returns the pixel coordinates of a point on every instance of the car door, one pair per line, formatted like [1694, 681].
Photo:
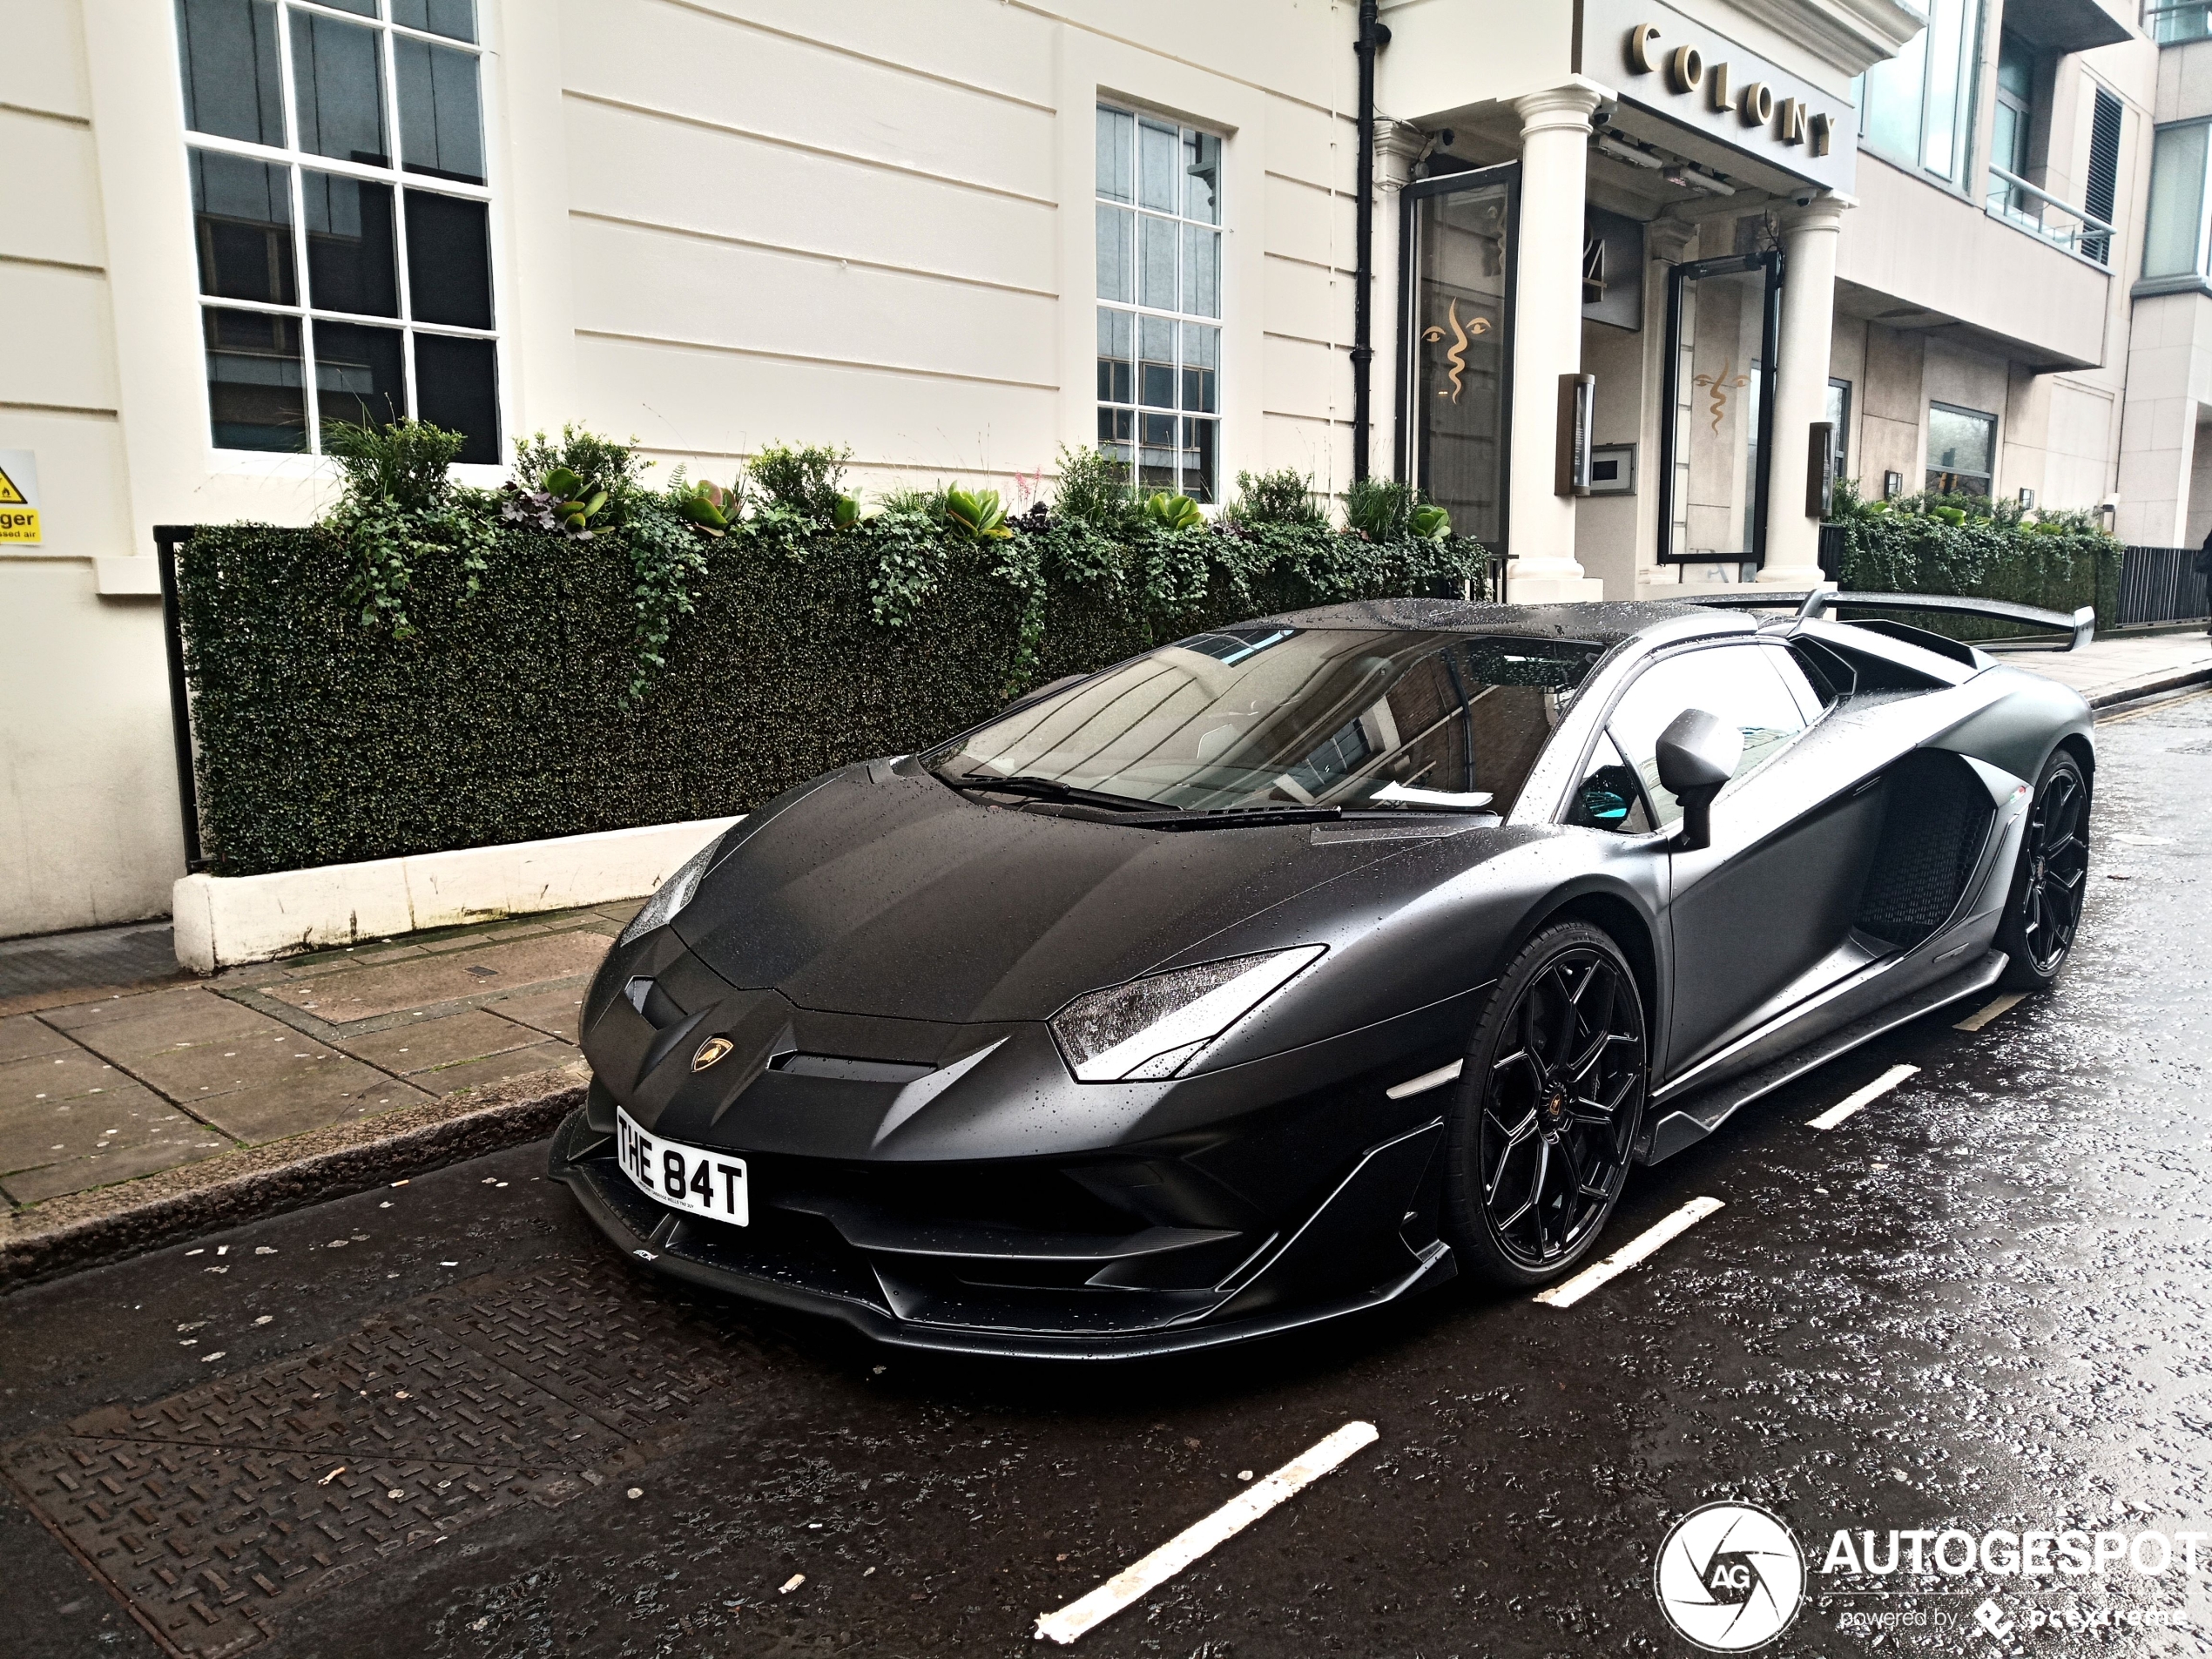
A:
[1757, 911]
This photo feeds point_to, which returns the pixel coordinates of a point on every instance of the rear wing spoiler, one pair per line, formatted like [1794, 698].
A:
[2080, 627]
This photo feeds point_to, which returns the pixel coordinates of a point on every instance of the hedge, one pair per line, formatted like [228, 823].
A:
[505, 714]
[2060, 562]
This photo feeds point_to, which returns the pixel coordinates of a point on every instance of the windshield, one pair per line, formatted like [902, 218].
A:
[1269, 717]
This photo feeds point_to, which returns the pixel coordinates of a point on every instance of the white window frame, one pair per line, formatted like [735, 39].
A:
[291, 156]
[1180, 318]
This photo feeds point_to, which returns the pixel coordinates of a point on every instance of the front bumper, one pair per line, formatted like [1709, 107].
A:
[823, 1241]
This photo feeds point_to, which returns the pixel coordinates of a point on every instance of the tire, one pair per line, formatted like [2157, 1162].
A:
[1544, 1120]
[2043, 911]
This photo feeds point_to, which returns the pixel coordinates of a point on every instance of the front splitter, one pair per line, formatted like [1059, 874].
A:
[617, 1209]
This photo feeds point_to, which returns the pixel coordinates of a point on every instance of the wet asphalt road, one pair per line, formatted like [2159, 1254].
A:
[1981, 1302]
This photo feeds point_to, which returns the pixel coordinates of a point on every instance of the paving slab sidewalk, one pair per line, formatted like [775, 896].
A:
[2116, 668]
[118, 1103]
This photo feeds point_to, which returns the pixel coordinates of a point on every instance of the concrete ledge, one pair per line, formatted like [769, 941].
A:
[85, 1229]
[223, 921]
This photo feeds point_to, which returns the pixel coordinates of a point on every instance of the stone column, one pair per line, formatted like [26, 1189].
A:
[1667, 243]
[1547, 339]
[1809, 237]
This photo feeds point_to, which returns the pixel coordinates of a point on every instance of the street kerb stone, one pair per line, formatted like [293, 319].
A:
[76, 1230]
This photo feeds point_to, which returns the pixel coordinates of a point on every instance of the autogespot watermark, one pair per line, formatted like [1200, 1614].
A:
[1730, 1577]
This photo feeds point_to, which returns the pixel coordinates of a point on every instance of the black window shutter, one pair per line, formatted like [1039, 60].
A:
[2104, 173]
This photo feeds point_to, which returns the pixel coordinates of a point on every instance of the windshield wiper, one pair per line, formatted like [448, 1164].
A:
[1051, 789]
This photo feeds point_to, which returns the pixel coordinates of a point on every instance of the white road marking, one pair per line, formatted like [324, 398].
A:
[1567, 1295]
[1187, 1546]
[1862, 1098]
[1426, 1082]
[1975, 1021]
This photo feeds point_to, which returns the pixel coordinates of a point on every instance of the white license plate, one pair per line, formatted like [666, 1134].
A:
[689, 1178]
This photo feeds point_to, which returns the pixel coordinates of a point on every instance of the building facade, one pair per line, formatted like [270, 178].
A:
[1634, 274]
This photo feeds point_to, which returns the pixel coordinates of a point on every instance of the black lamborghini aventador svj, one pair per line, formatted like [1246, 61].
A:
[1300, 966]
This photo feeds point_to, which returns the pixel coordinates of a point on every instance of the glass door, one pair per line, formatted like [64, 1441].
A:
[1455, 324]
[1723, 320]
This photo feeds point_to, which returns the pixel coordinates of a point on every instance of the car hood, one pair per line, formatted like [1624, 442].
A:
[884, 893]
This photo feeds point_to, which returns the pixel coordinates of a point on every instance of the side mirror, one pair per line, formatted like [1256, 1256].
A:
[1697, 754]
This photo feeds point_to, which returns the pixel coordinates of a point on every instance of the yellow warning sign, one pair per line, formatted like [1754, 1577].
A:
[18, 495]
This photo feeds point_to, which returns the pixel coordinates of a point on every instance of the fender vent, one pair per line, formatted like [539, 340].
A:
[1936, 817]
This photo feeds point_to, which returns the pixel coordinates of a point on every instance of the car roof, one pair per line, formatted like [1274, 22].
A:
[1602, 622]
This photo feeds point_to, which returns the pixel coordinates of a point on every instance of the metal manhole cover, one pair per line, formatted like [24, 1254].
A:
[207, 1512]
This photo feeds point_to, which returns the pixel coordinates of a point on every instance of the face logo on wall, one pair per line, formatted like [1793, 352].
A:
[1720, 385]
[1457, 355]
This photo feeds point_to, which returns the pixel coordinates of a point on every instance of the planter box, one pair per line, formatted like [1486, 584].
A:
[224, 920]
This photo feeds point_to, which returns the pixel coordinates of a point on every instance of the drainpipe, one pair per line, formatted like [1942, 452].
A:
[1372, 39]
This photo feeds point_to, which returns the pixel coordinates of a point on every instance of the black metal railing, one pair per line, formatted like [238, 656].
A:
[1831, 552]
[2160, 584]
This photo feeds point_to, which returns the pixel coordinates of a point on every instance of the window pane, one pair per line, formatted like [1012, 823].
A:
[1116, 340]
[1947, 39]
[233, 80]
[456, 385]
[1735, 682]
[1157, 239]
[455, 19]
[1201, 271]
[360, 375]
[338, 85]
[1117, 434]
[1155, 362]
[1201, 364]
[1893, 92]
[1608, 798]
[441, 126]
[242, 221]
[1158, 162]
[449, 260]
[1157, 452]
[1116, 240]
[2170, 245]
[362, 8]
[1117, 156]
[1960, 441]
[254, 395]
[350, 256]
[1201, 169]
[1198, 458]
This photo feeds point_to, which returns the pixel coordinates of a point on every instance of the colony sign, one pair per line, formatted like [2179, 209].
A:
[1663, 62]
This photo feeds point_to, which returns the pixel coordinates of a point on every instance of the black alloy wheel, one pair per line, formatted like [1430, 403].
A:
[2044, 912]
[1544, 1126]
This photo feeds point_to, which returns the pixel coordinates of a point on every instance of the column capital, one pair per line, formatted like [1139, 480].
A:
[1668, 241]
[1399, 145]
[1823, 212]
[1564, 107]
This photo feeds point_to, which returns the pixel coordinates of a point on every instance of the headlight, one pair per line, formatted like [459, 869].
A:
[672, 895]
[1151, 1027]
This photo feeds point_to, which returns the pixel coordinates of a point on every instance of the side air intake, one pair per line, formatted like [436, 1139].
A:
[1936, 818]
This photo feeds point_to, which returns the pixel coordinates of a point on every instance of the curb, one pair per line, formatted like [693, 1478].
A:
[2139, 690]
[78, 1231]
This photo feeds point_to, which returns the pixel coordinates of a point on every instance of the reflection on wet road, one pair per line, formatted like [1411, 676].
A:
[444, 1420]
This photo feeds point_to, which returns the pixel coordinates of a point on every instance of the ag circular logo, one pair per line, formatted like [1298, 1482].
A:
[1730, 1577]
